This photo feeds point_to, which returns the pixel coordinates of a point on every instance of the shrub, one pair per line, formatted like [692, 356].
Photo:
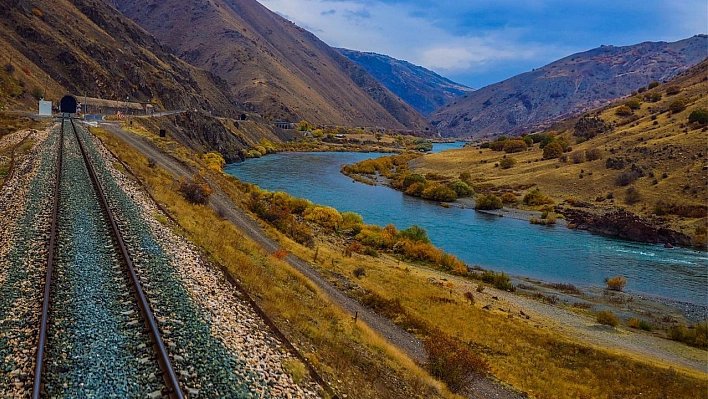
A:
[509, 198]
[607, 318]
[699, 116]
[498, 280]
[354, 247]
[324, 216]
[507, 163]
[439, 192]
[351, 222]
[412, 179]
[653, 85]
[678, 105]
[617, 163]
[623, 110]
[9, 68]
[195, 190]
[480, 287]
[359, 272]
[616, 283]
[461, 188]
[552, 150]
[214, 161]
[627, 178]
[633, 103]
[514, 145]
[646, 326]
[696, 336]
[578, 157]
[37, 93]
[593, 154]
[535, 198]
[415, 233]
[652, 97]
[632, 195]
[488, 202]
[672, 90]
[470, 297]
[452, 361]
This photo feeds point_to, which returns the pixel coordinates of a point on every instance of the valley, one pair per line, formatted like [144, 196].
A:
[300, 215]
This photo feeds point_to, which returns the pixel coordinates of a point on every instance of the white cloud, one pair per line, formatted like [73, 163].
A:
[454, 37]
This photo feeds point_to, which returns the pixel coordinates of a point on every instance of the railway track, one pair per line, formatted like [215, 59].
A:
[97, 333]
[93, 339]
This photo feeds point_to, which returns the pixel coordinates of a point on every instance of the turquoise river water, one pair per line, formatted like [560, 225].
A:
[553, 254]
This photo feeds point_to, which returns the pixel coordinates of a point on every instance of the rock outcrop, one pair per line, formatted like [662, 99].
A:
[624, 224]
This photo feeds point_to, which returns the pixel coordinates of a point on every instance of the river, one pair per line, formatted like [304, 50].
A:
[547, 253]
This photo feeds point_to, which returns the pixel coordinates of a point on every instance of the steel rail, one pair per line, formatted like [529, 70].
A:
[168, 372]
[37, 386]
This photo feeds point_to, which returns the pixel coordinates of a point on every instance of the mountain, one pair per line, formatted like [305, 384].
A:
[422, 88]
[274, 67]
[569, 86]
[87, 47]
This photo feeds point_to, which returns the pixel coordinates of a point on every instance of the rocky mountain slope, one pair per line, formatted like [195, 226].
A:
[567, 87]
[422, 88]
[273, 67]
[86, 47]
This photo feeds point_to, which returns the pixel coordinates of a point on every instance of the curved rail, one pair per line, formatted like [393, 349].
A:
[168, 373]
[48, 280]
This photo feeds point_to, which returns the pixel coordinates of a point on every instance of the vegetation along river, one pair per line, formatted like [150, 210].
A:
[547, 253]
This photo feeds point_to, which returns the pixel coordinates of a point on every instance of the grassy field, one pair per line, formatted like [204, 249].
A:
[669, 153]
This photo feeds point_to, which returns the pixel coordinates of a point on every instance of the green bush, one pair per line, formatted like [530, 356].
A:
[413, 178]
[633, 103]
[488, 202]
[536, 198]
[415, 233]
[678, 105]
[507, 163]
[699, 116]
[438, 192]
[552, 150]
[461, 188]
[696, 336]
[653, 85]
[623, 110]
[607, 318]
[498, 280]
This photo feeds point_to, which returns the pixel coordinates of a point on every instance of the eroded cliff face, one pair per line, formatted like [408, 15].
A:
[624, 224]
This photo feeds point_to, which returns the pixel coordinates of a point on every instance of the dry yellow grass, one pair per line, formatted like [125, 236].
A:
[660, 142]
[535, 360]
[350, 356]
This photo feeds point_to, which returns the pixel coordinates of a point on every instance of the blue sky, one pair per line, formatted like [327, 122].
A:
[480, 42]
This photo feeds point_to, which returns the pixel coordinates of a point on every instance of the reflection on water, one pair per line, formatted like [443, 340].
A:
[549, 253]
